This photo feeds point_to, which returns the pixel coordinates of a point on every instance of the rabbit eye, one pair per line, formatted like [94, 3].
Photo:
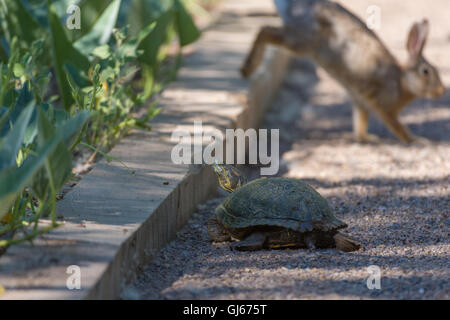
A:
[425, 71]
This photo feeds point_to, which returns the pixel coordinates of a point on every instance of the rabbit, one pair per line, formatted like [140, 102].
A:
[350, 52]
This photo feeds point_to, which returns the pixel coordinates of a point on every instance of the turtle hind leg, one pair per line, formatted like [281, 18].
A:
[345, 243]
[253, 242]
[217, 232]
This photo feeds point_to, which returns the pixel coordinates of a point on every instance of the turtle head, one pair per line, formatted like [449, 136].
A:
[230, 178]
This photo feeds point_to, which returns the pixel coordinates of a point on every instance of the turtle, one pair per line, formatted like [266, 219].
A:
[274, 213]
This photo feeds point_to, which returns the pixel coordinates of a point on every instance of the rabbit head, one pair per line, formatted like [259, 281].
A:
[422, 79]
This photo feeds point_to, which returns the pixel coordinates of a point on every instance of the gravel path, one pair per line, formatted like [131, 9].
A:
[395, 199]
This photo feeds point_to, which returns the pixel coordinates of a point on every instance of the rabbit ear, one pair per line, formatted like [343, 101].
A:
[417, 38]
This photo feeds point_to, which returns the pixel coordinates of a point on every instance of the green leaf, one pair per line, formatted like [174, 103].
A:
[38, 9]
[3, 55]
[103, 52]
[12, 142]
[21, 23]
[108, 74]
[140, 13]
[79, 78]
[187, 31]
[64, 52]
[101, 31]
[152, 41]
[60, 161]
[13, 180]
[70, 127]
[19, 70]
[129, 49]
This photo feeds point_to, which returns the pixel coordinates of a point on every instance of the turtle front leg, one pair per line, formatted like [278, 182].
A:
[216, 231]
[253, 242]
[310, 241]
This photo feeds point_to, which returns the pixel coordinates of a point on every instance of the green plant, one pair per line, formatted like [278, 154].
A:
[62, 90]
[107, 93]
[35, 160]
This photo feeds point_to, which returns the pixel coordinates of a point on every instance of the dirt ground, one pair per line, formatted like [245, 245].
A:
[395, 198]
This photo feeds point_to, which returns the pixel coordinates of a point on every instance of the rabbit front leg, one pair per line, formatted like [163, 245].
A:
[267, 35]
[361, 125]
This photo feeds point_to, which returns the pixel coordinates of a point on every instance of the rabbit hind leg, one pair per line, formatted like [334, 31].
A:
[267, 35]
[390, 119]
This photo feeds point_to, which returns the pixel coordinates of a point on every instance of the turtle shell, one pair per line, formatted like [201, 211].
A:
[278, 202]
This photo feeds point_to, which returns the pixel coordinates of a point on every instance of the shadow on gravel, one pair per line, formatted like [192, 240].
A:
[436, 131]
[330, 259]
[391, 287]
[301, 268]
[385, 182]
[334, 121]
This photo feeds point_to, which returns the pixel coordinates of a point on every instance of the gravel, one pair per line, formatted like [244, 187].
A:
[395, 199]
